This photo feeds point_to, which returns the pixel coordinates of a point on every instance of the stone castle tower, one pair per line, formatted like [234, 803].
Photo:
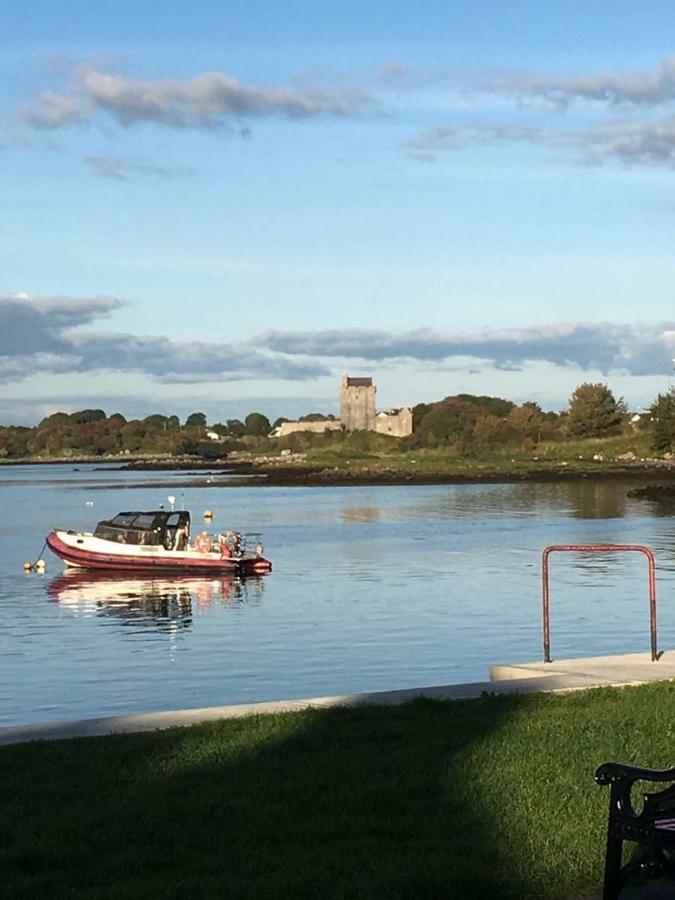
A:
[357, 403]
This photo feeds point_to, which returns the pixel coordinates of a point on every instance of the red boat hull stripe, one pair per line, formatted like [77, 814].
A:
[88, 560]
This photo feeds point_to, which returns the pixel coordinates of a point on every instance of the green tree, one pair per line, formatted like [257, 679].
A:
[257, 424]
[488, 430]
[196, 420]
[87, 415]
[526, 420]
[495, 406]
[419, 412]
[594, 411]
[235, 427]
[174, 422]
[663, 416]
[156, 421]
[57, 418]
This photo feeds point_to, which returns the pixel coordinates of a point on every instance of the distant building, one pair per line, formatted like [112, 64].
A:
[357, 413]
[357, 403]
[396, 422]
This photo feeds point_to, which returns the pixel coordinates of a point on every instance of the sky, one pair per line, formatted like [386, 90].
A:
[224, 206]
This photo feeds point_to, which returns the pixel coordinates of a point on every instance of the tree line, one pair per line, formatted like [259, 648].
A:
[463, 421]
[93, 432]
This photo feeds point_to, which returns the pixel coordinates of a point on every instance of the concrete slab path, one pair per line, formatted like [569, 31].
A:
[622, 669]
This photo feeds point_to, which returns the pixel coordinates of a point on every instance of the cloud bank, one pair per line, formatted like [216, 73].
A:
[211, 101]
[630, 143]
[43, 335]
[641, 137]
[603, 347]
[55, 335]
[639, 89]
[217, 102]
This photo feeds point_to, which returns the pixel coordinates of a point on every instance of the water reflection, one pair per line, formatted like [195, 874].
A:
[360, 514]
[166, 604]
[596, 500]
[585, 499]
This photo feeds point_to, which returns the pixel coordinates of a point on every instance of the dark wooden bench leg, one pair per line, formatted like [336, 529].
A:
[612, 884]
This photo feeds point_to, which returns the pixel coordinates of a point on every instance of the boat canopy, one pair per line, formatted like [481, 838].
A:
[152, 528]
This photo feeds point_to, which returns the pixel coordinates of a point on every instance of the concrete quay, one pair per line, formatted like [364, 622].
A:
[532, 677]
[621, 670]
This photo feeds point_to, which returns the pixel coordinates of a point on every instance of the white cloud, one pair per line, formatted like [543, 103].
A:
[210, 101]
[651, 88]
[650, 143]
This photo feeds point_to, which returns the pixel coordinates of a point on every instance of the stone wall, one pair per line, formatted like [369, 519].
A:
[316, 427]
[398, 422]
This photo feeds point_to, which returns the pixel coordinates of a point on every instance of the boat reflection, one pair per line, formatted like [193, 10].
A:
[167, 604]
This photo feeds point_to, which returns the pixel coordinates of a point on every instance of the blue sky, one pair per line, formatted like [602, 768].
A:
[225, 206]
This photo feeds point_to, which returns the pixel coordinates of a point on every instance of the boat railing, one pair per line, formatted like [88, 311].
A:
[241, 543]
[251, 543]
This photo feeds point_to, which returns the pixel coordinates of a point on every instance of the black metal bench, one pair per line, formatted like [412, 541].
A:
[652, 828]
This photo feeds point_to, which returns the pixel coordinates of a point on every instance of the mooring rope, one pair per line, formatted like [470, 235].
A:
[39, 556]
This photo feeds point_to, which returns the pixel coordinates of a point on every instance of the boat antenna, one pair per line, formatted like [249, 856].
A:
[182, 501]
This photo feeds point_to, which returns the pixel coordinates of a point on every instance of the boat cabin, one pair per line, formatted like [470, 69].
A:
[157, 528]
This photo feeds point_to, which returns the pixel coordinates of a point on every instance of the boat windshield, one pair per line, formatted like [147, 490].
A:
[155, 527]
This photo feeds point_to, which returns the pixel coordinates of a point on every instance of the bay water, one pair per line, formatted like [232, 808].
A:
[373, 588]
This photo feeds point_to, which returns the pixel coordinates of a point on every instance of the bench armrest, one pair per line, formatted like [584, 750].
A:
[612, 772]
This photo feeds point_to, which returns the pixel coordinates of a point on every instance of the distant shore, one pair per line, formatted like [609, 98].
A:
[277, 471]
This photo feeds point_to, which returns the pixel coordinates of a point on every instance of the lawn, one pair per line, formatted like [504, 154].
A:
[467, 799]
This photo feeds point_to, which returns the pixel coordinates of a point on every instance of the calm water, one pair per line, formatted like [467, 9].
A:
[373, 588]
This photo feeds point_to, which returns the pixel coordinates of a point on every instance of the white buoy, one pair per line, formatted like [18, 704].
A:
[40, 565]
[90, 503]
[208, 514]
[28, 566]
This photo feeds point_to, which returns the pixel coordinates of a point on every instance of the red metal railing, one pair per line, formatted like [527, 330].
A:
[598, 548]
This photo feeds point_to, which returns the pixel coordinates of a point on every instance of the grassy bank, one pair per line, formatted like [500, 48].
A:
[365, 458]
[474, 799]
[330, 463]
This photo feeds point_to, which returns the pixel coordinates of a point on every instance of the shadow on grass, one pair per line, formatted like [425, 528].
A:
[426, 800]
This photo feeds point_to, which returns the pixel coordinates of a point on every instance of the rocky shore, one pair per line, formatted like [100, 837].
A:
[298, 469]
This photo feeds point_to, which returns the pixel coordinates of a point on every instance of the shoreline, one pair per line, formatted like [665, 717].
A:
[251, 474]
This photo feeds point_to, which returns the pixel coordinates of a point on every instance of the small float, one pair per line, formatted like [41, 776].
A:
[158, 540]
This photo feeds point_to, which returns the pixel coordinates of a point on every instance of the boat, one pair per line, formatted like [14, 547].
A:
[158, 540]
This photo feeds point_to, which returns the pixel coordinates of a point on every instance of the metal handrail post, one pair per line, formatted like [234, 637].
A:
[598, 548]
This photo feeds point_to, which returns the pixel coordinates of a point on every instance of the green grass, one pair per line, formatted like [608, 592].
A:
[565, 459]
[475, 799]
